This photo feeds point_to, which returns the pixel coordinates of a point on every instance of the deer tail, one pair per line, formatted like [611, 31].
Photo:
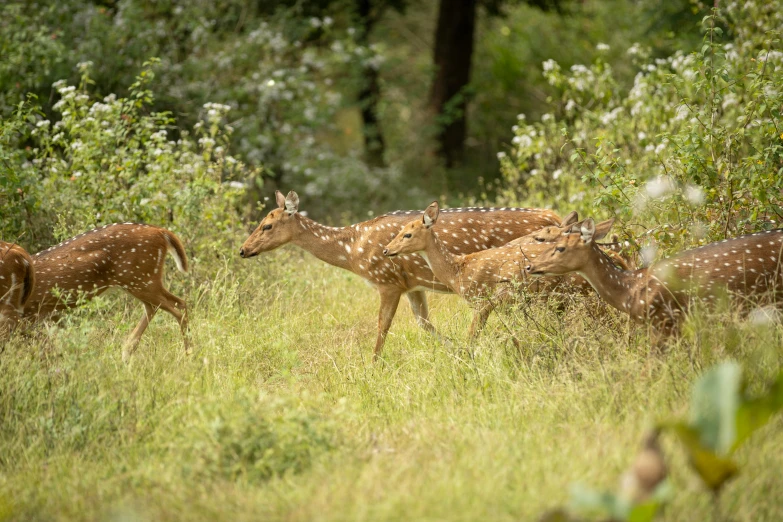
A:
[176, 250]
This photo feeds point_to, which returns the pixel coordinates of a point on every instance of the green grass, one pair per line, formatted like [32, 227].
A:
[281, 414]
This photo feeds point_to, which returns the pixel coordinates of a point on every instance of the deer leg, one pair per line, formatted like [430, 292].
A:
[390, 298]
[161, 298]
[480, 316]
[133, 340]
[418, 302]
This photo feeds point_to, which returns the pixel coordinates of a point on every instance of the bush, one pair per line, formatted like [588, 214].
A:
[693, 149]
[255, 440]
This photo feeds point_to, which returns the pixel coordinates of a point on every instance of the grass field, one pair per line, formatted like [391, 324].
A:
[281, 414]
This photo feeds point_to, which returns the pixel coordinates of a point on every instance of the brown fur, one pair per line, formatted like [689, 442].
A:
[17, 280]
[359, 247]
[125, 255]
[662, 293]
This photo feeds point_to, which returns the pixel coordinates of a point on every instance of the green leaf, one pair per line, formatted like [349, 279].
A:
[713, 469]
[714, 404]
[754, 413]
[586, 501]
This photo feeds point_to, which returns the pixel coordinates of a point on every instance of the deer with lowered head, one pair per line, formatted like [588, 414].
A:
[359, 248]
[17, 279]
[124, 255]
[484, 278]
[747, 266]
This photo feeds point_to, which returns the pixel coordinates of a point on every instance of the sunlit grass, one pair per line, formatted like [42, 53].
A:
[281, 414]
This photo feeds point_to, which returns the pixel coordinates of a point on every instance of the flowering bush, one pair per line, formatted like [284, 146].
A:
[693, 150]
[112, 159]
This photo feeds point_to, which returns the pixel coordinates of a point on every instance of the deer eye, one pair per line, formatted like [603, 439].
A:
[407, 236]
[266, 227]
[560, 249]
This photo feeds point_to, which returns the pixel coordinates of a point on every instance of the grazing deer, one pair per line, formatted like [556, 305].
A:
[359, 247]
[485, 278]
[17, 279]
[661, 293]
[126, 255]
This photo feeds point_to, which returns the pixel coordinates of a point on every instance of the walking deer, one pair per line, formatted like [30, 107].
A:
[486, 278]
[661, 293]
[17, 279]
[125, 255]
[359, 248]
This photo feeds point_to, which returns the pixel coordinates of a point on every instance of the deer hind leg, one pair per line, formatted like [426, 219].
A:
[418, 302]
[390, 299]
[159, 297]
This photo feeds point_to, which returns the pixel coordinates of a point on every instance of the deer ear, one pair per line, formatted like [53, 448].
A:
[587, 230]
[571, 218]
[575, 228]
[603, 228]
[292, 202]
[280, 199]
[431, 214]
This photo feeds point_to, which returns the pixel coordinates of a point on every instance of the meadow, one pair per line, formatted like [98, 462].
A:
[280, 413]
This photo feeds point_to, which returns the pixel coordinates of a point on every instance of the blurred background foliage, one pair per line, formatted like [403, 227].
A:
[365, 106]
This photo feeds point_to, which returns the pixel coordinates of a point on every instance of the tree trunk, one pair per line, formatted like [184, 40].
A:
[452, 60]
[370, 93]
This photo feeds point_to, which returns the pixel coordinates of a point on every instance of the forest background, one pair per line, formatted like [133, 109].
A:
[189, 114]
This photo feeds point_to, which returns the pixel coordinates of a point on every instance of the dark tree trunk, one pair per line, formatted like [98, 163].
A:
[453, 52]
[370, 93]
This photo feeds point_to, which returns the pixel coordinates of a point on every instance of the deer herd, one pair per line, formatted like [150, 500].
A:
[487, 256]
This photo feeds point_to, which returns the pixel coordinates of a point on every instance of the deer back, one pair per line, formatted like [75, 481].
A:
[126, 255]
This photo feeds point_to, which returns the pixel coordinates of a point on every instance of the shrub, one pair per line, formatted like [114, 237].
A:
[694, 148]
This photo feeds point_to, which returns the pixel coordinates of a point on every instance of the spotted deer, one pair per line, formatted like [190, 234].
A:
[486, 278]
[359, 248]
[17, 279]
[661, 293]
[125, 255]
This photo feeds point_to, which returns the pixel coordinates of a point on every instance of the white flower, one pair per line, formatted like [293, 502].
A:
[42, 123]
[641, 135]
[236, 184]
[659, 187]
[570, 105]
[521, 117]
[315, 22]
[694, 194]
[659, 148]
[546, 117]
[648, 254]
[602, 47]
[556, 174]
[501, 155]
[550, 65]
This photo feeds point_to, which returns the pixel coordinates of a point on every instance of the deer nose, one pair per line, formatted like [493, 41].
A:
[241, 252]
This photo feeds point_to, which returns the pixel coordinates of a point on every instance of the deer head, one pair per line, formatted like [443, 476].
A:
[414, 236]
[569, 252]
[276, 229]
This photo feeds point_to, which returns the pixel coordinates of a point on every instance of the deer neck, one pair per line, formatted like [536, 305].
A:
[443, 263]
[615, 285]
[333, 245]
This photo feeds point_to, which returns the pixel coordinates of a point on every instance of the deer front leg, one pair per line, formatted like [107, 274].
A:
[418, 302]
[133, 340]
[481, 312]
[390, 298]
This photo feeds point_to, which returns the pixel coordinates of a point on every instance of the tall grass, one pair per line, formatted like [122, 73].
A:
[280, 413]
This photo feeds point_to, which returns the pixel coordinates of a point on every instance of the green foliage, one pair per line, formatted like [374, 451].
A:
[722, 416]
[694, 148]
[255, 440]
